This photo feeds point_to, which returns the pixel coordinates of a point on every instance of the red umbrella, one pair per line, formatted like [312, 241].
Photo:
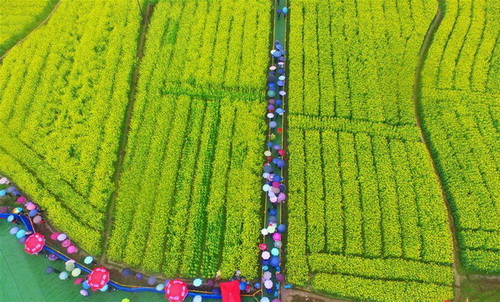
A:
[231, 291]
[176, 290]
[34, 244]
[98, 278]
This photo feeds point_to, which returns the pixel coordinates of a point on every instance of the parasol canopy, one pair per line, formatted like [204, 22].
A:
[231, 291]
[34, 244]
[98, 278]
[176, 290]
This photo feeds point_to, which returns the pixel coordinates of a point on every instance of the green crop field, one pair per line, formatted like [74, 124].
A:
[139, 127]
[193, 148]
[363, 193]
[461, 110]
[17, 18]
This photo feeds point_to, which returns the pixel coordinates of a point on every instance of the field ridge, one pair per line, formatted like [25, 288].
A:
[126, 127]
[436, 22]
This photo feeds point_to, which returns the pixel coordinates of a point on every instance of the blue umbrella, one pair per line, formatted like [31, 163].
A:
[281, 228]
[274, 261]
[20, 234]
[88, 260]
[14, 230]
[85, 284]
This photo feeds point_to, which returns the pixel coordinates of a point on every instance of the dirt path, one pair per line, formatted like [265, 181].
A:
[44, 21]
[126, 128]
[418, 117]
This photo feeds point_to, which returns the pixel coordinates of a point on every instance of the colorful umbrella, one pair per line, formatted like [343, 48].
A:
[98, 278]
[231, 291]
[88, 260]
[176, 290]
[197, 282]
[34, 244]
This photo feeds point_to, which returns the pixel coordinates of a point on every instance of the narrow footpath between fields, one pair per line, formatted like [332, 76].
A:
[126, 127]
[417, 86]
[275, 152]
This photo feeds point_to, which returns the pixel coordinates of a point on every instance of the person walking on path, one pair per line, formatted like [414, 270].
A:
[279, 11]
[284, 10]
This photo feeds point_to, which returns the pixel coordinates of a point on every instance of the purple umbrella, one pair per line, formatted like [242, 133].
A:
[126, 272]
[49, 270]
[151, 280]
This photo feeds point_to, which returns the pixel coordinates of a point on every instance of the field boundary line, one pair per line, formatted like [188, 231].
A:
[126, 129]
[417, 88]
[42, 23]
[340, 124]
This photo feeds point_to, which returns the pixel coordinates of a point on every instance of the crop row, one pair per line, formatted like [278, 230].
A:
[377, 193]
[356, 60]
[212, 45]
[207, 180]
[194, 143]
[89, 215]
[365, 196]
[460, 123]
[392, 268]
[88, 238]
[71, 113]
[466, 40]
[17, 18]
[364, 289]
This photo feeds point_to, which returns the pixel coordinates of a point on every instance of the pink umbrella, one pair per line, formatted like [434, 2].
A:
[72, 249]
[66, 243]
[30, 206]
[54, 236]
[37, 219]
[266, 255]
[21, 199]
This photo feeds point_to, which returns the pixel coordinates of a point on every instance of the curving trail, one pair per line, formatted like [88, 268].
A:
[424, 50]
[44, 21]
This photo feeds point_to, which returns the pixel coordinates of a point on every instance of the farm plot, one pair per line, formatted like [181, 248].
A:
[461, 112]
[17, 18]
[192, 161]
[63, 94]
[363, 194]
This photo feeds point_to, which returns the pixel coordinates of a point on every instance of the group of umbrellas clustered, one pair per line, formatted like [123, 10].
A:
[11, 191]
[274, 187]
[34, 242]
[97, 280]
